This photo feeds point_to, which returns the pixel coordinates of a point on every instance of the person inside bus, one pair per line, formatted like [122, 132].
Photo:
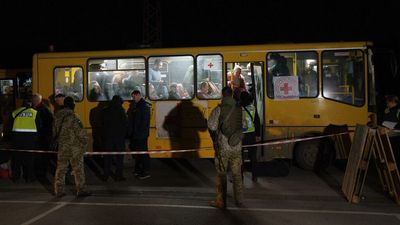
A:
[182, 92]
[173, 91]
[188, 80]
[248, 78]
[77, 86]
[152, 92]
[155, 79]
[96, 93]
[214, 89]
[236, 82]
[277, 65]
[203, 93]
[154, 72]
[308, 82]
[117, 85]
[331, 81]
[133, 81]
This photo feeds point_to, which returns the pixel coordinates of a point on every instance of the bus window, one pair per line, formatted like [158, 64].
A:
[209, 76]
[304, 65]
[109, 77]
[69, 81]
[343, 76]
[24, 85]
[7, 97]
[171, 77]
[7, 87]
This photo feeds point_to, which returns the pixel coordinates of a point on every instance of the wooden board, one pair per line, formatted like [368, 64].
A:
[363, 166]
[354, 161]
[388, 171]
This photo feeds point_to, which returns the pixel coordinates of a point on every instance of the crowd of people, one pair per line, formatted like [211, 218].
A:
[231, 124]
[35, 127]
[171, 85]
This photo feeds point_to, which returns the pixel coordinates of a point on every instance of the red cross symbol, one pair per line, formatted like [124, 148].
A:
[286, 88]
[210, 65]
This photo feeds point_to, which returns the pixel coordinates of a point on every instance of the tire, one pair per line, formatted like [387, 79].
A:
[306, 154]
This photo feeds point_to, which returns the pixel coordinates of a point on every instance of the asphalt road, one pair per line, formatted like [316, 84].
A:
[179, 192]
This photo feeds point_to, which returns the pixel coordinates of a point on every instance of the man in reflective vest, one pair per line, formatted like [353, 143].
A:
[26, 123]
[251, 129]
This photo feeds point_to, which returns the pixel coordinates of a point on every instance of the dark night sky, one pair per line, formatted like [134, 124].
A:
[28, 27]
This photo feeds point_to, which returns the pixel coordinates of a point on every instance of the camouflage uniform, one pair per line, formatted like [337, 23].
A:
[226, 155]
[73, 142]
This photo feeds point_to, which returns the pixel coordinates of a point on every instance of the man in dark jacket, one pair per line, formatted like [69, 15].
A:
[392, 114]
[42, 162]
[114, 131]
[138, 132]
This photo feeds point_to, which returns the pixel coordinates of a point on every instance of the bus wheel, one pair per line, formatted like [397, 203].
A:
[306, 154]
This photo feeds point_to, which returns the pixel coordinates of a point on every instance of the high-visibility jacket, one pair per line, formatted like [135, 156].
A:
[249, 126]
[24, 120]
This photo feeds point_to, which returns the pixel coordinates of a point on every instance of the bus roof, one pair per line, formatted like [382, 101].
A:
[210, 49]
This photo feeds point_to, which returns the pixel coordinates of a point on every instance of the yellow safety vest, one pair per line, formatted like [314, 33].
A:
[249, 126]
[25, 121]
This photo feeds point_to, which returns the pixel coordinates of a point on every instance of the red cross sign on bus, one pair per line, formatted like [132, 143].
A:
[286, 87]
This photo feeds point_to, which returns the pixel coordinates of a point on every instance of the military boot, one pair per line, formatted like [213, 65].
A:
[220, 201]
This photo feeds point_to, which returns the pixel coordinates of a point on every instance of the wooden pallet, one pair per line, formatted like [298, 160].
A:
[354, 161]
[363, 166]
[358, 162]
[386, 164]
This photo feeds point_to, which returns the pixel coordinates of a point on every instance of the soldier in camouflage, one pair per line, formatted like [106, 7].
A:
[225, 154]
[73, 140]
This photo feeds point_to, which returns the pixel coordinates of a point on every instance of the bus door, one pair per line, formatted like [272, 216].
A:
[252, 74]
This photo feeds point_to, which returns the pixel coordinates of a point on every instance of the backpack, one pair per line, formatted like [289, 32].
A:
[228, 127]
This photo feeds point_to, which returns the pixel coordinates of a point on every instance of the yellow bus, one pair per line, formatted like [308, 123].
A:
[299, 89]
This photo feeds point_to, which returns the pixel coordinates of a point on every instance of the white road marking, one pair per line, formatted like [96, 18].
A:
[62, 204]
[38, 217]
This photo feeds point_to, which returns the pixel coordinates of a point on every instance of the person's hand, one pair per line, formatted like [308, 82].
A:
[387, 110]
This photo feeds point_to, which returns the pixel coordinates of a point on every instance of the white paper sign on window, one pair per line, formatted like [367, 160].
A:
[286, 87]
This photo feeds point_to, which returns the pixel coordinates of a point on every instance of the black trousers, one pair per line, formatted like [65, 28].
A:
[117, 146]
[142, 161]
[249, 139]
[24, 160]
[395, 143]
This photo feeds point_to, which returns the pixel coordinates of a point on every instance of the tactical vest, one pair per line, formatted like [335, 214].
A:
[234, 122]
[249, 126]
[24, 120]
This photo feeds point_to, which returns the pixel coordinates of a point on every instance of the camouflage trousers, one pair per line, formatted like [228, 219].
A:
[77, 164]
[224, 159]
